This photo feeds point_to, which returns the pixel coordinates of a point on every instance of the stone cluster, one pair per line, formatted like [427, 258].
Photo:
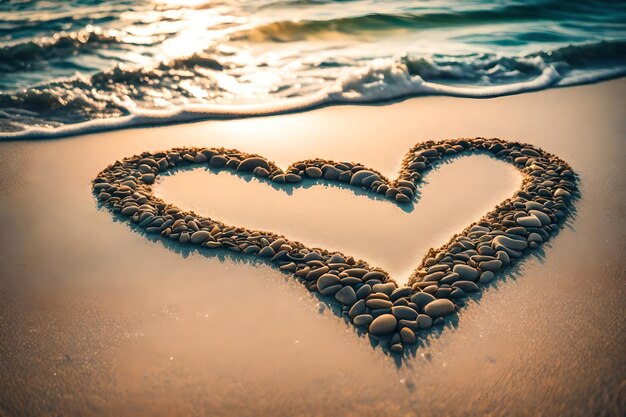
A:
[370, 299]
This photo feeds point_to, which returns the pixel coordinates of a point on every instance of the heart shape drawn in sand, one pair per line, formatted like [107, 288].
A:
[370, 299]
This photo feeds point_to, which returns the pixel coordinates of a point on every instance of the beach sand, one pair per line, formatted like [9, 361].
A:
[97, 319]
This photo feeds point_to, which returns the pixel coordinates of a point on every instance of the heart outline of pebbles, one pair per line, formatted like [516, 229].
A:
[367, 295]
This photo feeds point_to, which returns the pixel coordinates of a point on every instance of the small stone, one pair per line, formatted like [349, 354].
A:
[327, 280]
[218, 161]
[450, 278]
[292, 178]
[439, 308]
[528, 221]
[129, 211]
[486, 277]
[467, 286]
[362, 320]
[330, 172]
[331, 290]
[346, 296]
[400, 292]
[493, 265]
[357, 309]
[313, 172]
[504, 257]
[184, 237]
[466, 272]
[148, 178]
[356, 272]
[560, 192]
[249, 164]
[401, 198]
[200, 236]
[424, 321]
[289, 267]
[533, 205]
[359, 176]
[261, 172]
[404, 313]
[374, 275]
[397, 348]
[364, 291]
[507, 242]
[543, 217]
[386, 288]
[407, 336]
[267, 252]
[376, 303]
[422, 298]
[383, 325]
[316, 273]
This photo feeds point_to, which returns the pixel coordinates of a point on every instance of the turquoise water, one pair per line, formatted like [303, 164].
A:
[84, 65]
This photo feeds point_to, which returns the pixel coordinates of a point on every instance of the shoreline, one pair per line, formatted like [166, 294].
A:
[198, 113]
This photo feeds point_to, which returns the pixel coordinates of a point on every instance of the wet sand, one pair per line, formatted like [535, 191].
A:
[96, 319]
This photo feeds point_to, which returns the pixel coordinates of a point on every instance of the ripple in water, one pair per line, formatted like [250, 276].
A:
[75, 66]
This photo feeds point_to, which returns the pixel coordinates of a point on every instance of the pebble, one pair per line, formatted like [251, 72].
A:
[293, 178]
[407, 336]
[401, 198]
[148, 178]
[317, 272]
[346, 296]
[200, 236]
[439, 308]
[422, 298]
[313, 172]
[357, 309]
[363, 320]
[330, 172]
[503, 257]
[493, 265]
[466, 286]
[397, 348]
[386, 288]
[327, 280]
[376, 303]
[218, 161]
[543, 217]
[404, 313]
[466, 272]
[331, 290]
[560, 192]
[424, 321]
[357, 178]
[486, 277]
[364, 291]
[374, 275]
[529, 221]
[383, 325]
[249, 164]
[184, 237]
[266, 252]
[507, 242]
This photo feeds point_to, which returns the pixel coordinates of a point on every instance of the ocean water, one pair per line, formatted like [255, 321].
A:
[85, 65]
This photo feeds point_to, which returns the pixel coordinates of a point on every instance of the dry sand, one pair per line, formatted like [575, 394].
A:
[95, 319]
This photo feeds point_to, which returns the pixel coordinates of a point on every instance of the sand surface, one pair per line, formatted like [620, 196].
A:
[96, 319]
